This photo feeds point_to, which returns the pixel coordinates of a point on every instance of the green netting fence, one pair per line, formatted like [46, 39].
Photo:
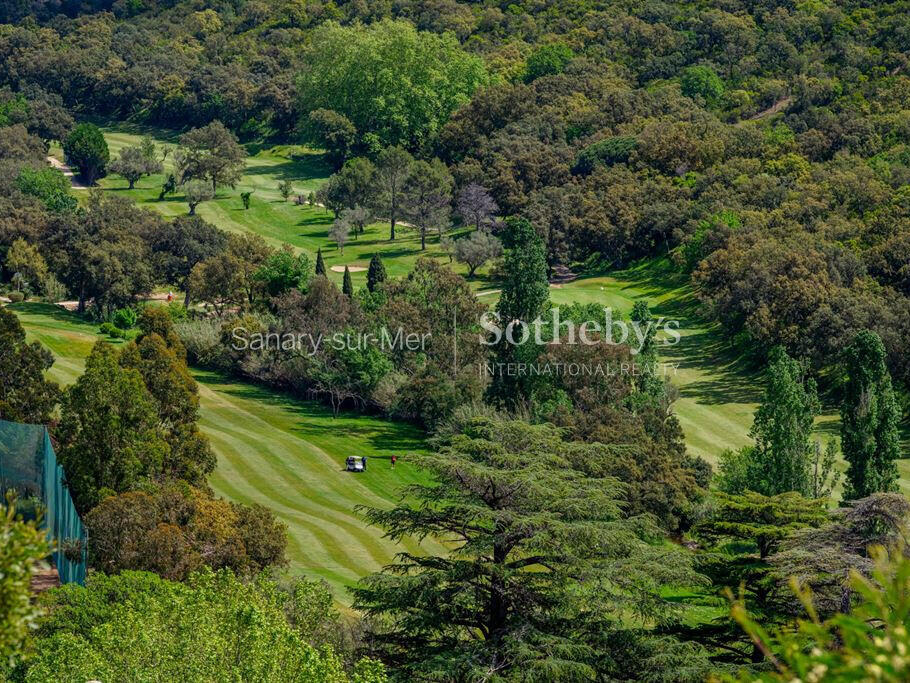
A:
[29, 466]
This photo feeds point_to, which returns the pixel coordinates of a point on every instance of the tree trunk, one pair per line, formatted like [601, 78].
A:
[498, 606]
[423, 240]
[81, 307]
[186, 299]
[392, 231]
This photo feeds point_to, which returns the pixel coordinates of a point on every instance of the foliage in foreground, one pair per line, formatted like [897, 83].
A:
[871, 643]
[139, 627]
[21, 546]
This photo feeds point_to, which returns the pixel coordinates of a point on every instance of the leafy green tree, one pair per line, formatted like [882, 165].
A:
[548, 60]
[285, 187]
[284, 270]
[212, 154]
[22, 546]
[869, 418]
[612, 150]
[394, 169]
[320, 263]
[168, 380]
[196, 192]
[25, 259]
[25, 395]
[375, 273]
[782, 457]
[50, 186]
[428, 197]
[248, 252]
[149, 151]
[393, 84]
[212, 627]
[168, 187]
[217, 281]
[109, 431]
[181, 244]
[524, 526]
[702, 81]
[86, 148]
[347, 286]
[134, 163]
[103, 253]
[332, 131]
[525, 292]
[646, 378]
[476, 249]
[739, 535]
[353, 185]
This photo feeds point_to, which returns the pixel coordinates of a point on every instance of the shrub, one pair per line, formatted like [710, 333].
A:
[177, 311]
[125, 318]
[16, 297]
[202, 339]
[112, 331]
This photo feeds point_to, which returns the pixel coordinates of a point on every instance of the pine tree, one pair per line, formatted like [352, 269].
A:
[869, 417]
[536, 581]
[347, 287]
[375, 273]
[320, 264]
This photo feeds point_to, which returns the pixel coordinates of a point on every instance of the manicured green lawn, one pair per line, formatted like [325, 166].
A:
[269, 215]
[283, 453]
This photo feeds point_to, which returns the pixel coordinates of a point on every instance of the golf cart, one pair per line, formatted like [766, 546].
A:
[354, 464]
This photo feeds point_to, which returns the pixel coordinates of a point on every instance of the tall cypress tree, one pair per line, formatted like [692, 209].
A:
[347, 287]
[869, 417]
[320, 264]
[375, 273]
[525, 293]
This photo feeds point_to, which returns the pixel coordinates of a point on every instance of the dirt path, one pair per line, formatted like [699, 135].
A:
[68, 172]
[775, 108]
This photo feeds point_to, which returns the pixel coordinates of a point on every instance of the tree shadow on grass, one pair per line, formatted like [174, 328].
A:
[729, 376]
[300, 168]
[316, 419]
[50, 311]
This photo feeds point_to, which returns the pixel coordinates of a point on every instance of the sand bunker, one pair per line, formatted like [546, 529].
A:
[353, 269]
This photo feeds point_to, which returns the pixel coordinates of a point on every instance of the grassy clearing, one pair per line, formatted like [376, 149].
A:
[717, 393]
[269, 215]
[280, 452]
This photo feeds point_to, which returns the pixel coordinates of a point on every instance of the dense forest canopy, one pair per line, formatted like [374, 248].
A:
[748, 139]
